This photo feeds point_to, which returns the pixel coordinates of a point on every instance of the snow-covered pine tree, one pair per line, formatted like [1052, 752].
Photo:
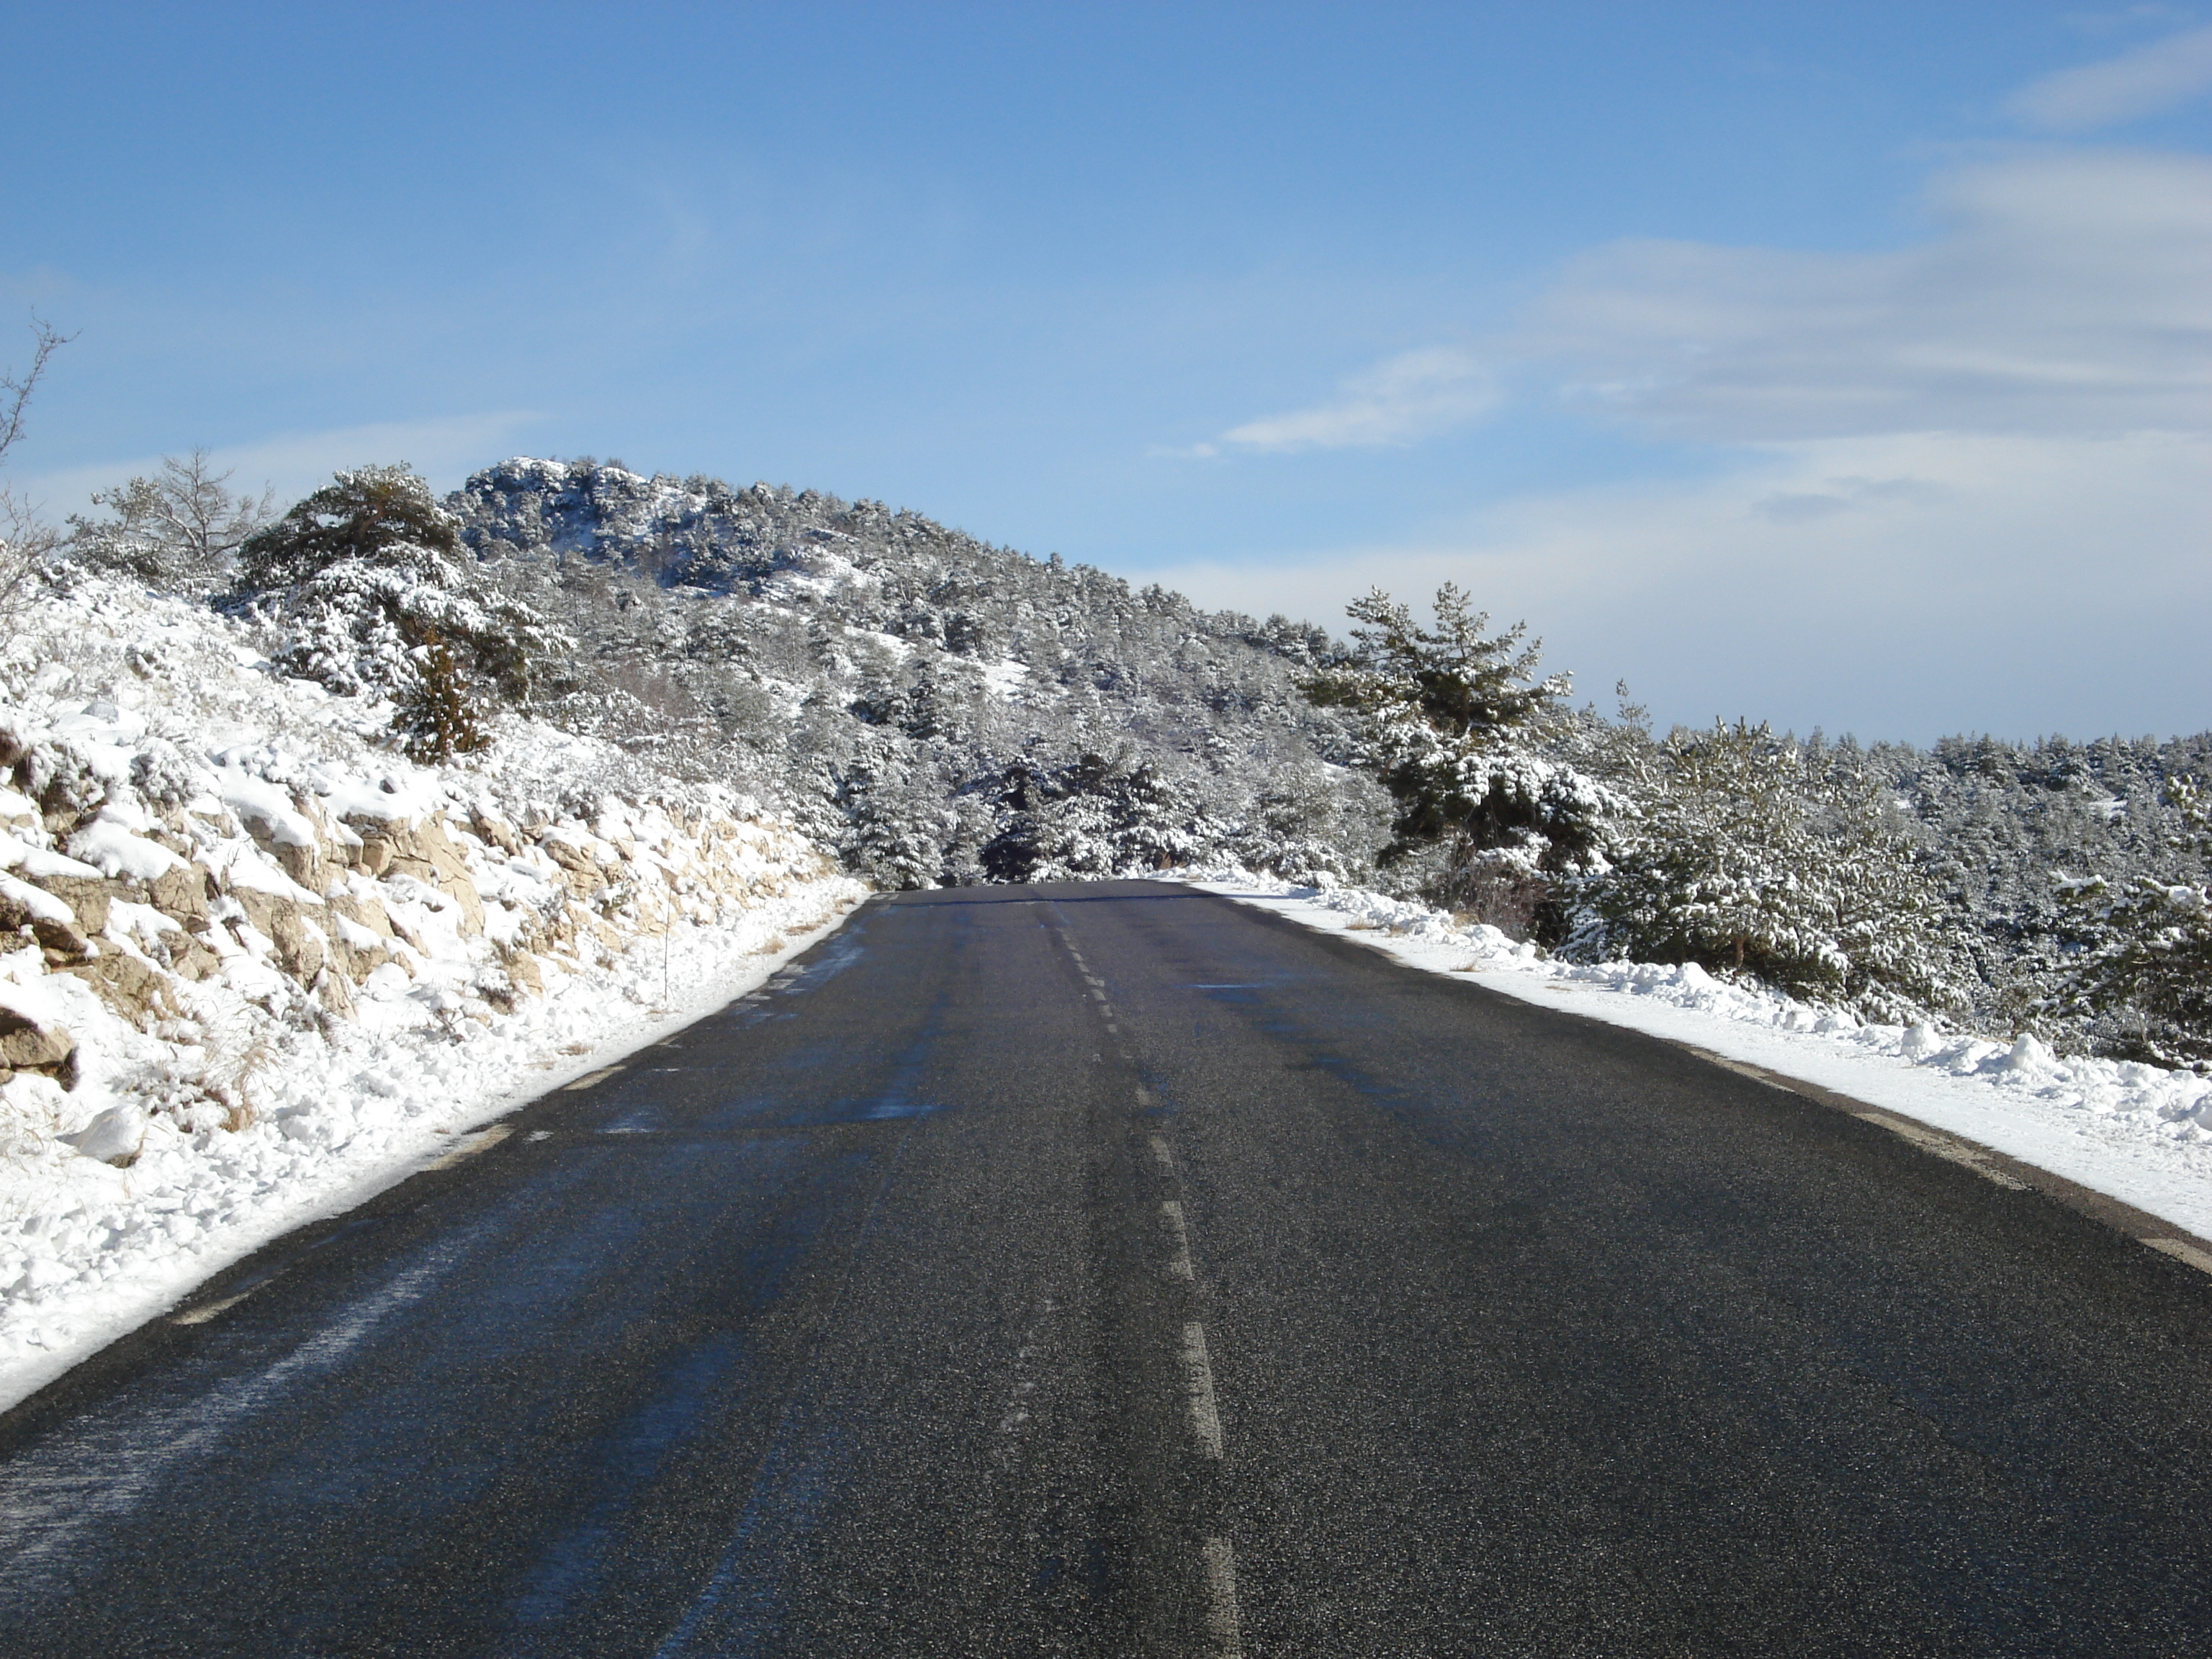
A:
[368, 588]
[1454, 723]
[1753, 859]
[2148, 978]
[1091, 817]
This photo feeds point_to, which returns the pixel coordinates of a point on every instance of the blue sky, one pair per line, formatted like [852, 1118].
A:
[1849, 365]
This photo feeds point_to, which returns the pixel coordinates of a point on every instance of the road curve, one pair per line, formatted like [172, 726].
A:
[1112, 1270]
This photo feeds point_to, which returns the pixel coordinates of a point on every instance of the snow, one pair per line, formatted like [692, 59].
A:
[110, 847]
[239, 1104]
[38, 864]
[2134, 1132]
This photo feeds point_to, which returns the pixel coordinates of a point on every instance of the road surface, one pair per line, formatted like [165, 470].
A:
[1114, 1270]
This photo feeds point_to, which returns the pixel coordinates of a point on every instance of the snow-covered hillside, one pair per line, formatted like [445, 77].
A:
[257, 963]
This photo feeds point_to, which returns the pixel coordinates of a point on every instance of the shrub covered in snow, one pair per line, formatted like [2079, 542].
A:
[2148, 970]
[1749, 862]
[370, 590]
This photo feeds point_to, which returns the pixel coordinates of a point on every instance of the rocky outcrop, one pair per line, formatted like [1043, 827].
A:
[329, 900]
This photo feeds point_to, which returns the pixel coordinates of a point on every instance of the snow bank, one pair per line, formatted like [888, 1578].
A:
[256, 965]
[2134, 1133]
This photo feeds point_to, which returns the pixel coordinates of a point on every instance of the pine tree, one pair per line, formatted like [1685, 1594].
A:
[369, 590]
[2148, 973]
[1453, 720]
[438, 715]
[1749, 858]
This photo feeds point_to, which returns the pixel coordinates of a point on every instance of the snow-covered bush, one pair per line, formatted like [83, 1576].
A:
[368, 586]
[2148, 973]
[1749, 862]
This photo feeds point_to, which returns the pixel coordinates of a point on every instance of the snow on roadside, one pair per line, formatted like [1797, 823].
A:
[256, 966]
[2136, 1133]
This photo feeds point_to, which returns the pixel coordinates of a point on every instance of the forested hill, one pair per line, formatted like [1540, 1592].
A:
[940, 708]
[937, 710]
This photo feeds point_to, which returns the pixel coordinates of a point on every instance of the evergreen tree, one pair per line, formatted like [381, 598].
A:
[2148, 973]
[1749, 858]
[1453, 722]
[369, 590]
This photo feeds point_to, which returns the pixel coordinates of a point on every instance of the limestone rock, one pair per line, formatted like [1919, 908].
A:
[27, 1044]
[138, 991]
[182, 893]
[299, 943]
[88, 896]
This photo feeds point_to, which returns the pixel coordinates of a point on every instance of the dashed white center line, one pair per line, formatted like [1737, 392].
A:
[1179, 1265]
[1161, 1155]
[1198, 1380]
[1223, 1623]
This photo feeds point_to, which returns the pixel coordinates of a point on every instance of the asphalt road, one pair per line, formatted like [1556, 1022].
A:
[1112, 1270]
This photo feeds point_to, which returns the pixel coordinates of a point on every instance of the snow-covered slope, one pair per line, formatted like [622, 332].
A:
[254, 962]
[2136, 1133]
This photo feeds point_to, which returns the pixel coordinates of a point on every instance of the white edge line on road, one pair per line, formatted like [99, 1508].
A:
[590, 1078]
[2183, 1252]
[482, 1141]
[1942, 1145]
[201, 1316]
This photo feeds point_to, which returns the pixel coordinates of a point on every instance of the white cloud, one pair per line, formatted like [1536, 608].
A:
[1399, 400]
[443, 449]
[2064, 292]
[1903, 586]
[2145, 82]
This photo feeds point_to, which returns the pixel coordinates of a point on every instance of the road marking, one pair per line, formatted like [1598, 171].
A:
[1725, 1063]
[1198, 1380]
[540, 1134]
[1222, 1622]
[1094, 979]
[1179, 1268]
[589, 1079]
[2183, 1252]
[482, 1142]
[1161, 1155]
[1143, 1096]
[1097, 995]
[201, 1316]
[1929, 1141]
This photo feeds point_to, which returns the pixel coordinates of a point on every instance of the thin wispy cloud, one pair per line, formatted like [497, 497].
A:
[2148, 81]
[444, 449]
[1400, 400]
[2062, 294]
[1898, 585]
